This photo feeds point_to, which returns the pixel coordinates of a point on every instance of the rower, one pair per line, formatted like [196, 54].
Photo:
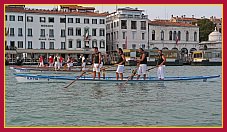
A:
[120, 63]
[96, 61]
[161, 64]
[142, 64]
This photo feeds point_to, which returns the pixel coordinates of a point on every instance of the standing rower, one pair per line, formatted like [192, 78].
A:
[120, 63]
[142, 64]
[96, 61]
[161, 64]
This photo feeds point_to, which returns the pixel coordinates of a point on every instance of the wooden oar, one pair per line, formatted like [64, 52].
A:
[130, 77]
[151, 68]
[82, 75]
[75, 80]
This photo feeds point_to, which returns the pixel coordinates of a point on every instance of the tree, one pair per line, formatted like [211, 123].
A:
[205, 28]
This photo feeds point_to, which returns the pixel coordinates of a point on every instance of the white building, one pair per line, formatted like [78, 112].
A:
[214, 42]
[127, 28]
[164, 34]
[71, 29]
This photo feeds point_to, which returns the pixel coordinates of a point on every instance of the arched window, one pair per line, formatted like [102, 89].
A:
[187, 35]
[162, 35]
[174, 35]
[179, 35]
[153, 35]
[195, 36]
[170, 35]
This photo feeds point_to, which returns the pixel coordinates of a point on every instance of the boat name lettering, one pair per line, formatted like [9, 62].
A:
[32, 78]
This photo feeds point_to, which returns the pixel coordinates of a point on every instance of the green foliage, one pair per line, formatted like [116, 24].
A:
[205, 28]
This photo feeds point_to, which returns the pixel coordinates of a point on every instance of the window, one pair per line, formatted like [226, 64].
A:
[42, 19]
[133, 24]
[102, 44]
[78, 31]
[51, 32]
[143, 25]
[51, 45]
[153, 35]
[133, 46]
[94, 21]
[87, 44]
[29, 44]
[117, 23]
[29, 19]
[102, 32]
[143, 46]
[20, 32]
[170, 35]
[51, 20]
[42, 32]
[162, 35]
[93, 32]
[70, 44]
[117, 35]
[86, 33]
[195, 36]
[62, 20]
[20, 44]
[11, 32]
[143, 36]
[123, 24]
[29, 31]
[70, 20]
[102, 21]
[123, 35]
[174, 35]
[114, 35]
[187, 35]
[42, 45]
[94, 43]
[78, 43]
[179, 35]
[86, 21]
[77, 20]
[62, 45]
[12, 44]
[70, 31]
[20, 18]
[11, 18]
[5, 17]
[62, 32]
[114, 24]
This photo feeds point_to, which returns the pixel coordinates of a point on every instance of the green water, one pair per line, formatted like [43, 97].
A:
[188, 103]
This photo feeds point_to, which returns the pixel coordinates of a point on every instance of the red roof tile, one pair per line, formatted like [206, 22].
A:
[41, 11]
[168, 23]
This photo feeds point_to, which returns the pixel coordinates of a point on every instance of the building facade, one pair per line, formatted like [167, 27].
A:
[127, 28]
[67, 30]
[167, 35]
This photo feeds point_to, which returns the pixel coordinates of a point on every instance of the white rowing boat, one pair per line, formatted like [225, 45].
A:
[86, 79]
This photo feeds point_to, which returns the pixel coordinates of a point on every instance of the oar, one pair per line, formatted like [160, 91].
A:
[82, 75]
[75, 80]
[151, 68]
[130, 77]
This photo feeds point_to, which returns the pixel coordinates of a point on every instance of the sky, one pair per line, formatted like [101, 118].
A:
[159, 11]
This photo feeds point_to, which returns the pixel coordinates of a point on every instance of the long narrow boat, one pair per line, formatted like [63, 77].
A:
[86, 79]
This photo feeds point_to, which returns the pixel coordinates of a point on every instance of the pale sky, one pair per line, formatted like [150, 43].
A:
[159, 11]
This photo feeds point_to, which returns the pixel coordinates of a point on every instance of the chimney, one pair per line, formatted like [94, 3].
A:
[172, 16]
[192, 16]
[184, 16]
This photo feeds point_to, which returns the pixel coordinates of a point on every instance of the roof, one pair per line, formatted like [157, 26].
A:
[74, 7]
[42, 11]
[185, 18]
[169, 23]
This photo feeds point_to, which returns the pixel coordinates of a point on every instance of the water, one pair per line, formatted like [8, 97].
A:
[188, 103]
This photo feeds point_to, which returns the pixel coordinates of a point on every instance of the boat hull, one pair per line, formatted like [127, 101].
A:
[85, 79]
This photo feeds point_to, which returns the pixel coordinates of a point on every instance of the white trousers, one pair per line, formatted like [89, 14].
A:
[160, 72]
